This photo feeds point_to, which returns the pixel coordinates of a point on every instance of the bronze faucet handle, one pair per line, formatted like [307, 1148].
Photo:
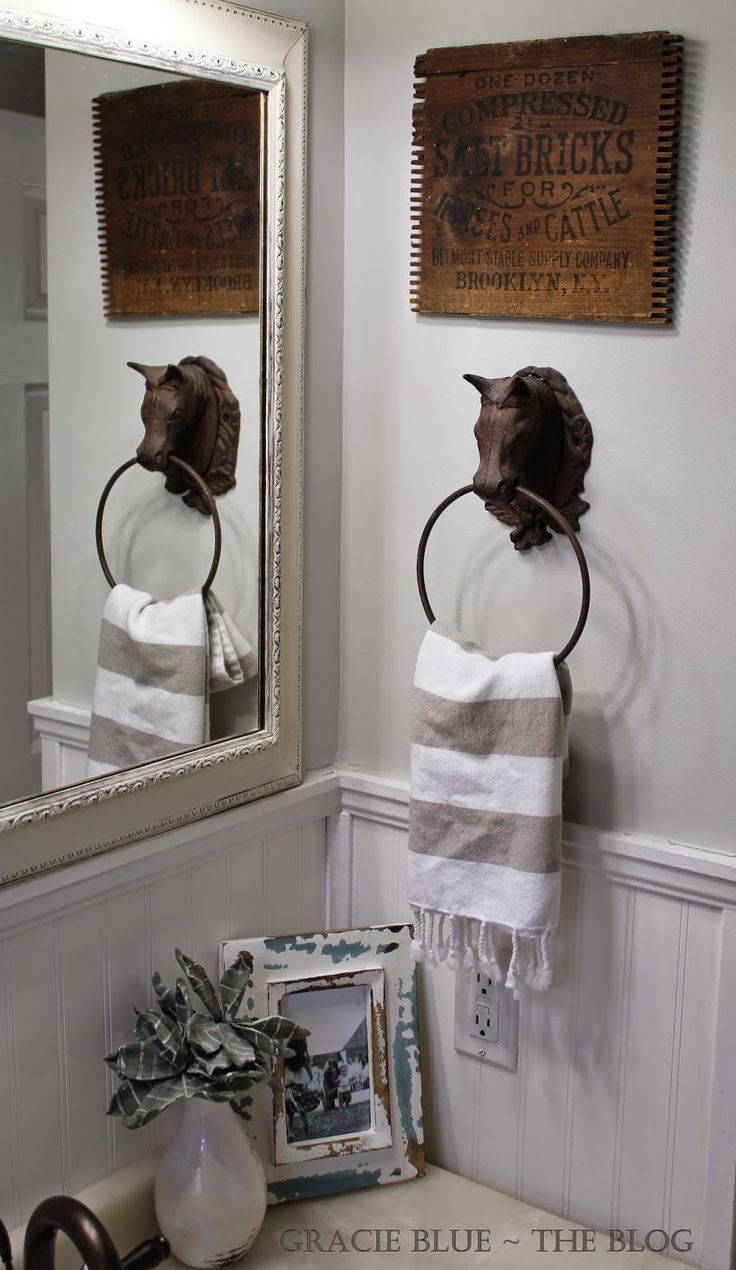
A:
[147, 1255]
[86, 1231]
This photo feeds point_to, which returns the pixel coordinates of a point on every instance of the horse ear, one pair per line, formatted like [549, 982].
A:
[172, 374]
[518, 387]
[151, 374]
[484, 386]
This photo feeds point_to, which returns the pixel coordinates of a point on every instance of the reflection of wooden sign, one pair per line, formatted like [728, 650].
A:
[179, 176]
[543, 181]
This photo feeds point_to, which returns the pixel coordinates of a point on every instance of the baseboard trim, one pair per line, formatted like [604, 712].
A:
[338, 796]
[126, 868]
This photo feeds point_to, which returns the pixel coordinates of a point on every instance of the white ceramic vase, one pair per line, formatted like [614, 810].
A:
[210, 1191]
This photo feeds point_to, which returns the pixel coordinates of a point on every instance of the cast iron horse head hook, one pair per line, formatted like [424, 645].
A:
[533, 432]
[190, 411]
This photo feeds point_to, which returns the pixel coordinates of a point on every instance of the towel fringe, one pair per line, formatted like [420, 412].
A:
[440, 945]
[431, 957]
[417, 947]
[452, 938]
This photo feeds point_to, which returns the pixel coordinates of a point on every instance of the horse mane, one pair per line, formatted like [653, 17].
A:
[576, 447]
[220, 475]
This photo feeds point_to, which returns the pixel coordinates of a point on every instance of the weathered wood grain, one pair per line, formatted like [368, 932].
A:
[179, 169]
[543, 180]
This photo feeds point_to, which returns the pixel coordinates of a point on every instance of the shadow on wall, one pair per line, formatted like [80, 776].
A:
[691, 126]
[621, 670]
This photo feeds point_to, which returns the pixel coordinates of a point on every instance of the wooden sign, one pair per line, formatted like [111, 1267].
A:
[544, 178]
[179, 175]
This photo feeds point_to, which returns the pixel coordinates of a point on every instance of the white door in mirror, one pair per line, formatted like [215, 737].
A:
[486, 1020]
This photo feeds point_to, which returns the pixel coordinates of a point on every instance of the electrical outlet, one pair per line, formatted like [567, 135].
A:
[483, 985]
[486, 1020]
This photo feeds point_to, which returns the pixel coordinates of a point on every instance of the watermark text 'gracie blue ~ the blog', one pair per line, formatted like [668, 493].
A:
[543, 1239]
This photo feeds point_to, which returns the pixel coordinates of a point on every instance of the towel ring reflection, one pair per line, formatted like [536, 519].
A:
[561, 523]
[196, 479]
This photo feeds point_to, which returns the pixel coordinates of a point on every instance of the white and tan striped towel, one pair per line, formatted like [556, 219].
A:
[489, 742]
[157, 662]
[231, 658]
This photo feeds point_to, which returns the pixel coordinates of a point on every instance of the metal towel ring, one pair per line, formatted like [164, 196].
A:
[196, 479]
[554, 515]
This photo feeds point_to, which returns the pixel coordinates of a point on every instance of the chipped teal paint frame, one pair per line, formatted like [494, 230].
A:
[280, 961]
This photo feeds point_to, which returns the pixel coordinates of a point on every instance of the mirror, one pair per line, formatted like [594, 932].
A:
[147, 312]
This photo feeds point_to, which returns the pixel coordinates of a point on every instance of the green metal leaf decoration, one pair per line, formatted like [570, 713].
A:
[179, 1052]
[210, 1064]
[233, 985]
[139, 1102]
[260, 1041]
[165, 996]
[237, 1049]
[193, 1085]
[143, 1060]
[279, 1028]
[143, 1026]
[165, 1032]
[125, 1104]
[200, 984]
[182, 1004]
[240, 1104]
[237, 1082]
[174, 1002]
[202, 1032]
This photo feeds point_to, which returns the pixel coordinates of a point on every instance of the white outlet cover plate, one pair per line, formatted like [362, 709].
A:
[472, 988]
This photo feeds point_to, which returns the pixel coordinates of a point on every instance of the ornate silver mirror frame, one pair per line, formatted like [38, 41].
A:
[216, 41]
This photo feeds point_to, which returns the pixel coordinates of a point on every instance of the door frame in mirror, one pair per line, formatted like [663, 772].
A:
[241, 46]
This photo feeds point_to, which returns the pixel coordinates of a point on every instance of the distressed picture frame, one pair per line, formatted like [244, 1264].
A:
[321, 1132]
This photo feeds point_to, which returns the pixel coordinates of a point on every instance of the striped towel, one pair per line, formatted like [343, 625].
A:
[152, 681]
[231, 658]
[489, 742]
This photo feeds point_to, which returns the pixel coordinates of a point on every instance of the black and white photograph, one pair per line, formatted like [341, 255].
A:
[327, 1082]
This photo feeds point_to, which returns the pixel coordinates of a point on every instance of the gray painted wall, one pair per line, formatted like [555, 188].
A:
[655, 698]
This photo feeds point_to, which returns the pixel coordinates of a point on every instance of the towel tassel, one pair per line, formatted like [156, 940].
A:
[452, 957]
[544, 954]
[470, 945]
[417, 948]
[431, 957]
[465, 951]
[487, 951]
[512, 978]
[440, 938]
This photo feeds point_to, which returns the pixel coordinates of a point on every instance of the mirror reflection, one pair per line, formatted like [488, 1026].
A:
[131, 206]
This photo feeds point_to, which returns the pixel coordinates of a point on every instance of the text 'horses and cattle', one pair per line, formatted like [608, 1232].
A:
[543, 178]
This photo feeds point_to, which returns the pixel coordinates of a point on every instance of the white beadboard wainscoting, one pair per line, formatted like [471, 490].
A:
[77, 952]
[63, 734]
[623, 1109]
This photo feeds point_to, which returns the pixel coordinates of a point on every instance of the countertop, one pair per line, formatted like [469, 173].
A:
[409, 1224]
